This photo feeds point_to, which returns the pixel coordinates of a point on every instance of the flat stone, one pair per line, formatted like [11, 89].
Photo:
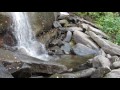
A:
[82, 50]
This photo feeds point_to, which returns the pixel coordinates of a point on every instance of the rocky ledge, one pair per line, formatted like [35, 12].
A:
[77, 48]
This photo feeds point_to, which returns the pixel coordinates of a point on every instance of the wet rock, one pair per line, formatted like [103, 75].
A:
[66, 48]
[114, 59]
[105, 44]
[80, 37]
[80, 74]
[49, 68]
[56, 24]
[68, 36]
[64, 22]
[87, 65]
[9, 38]
[57, 50]
[4, 72]
[113, 74]
[5, 23]
[101, 61]
[41, 21]
[22, 72]
[45, 38]
[100, 72]
[116, 64]
[82, 50]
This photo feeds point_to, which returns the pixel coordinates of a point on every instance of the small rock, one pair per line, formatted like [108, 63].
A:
[101, 61]
[114, 59]
[82, 50]
[108, 56]
[64, 22]
[116, 64]
[56, 24]
[66, 48]
[113, 74]
[100, 72]
[101, 52]
[68, 36]
[72, 29]
[57, 50]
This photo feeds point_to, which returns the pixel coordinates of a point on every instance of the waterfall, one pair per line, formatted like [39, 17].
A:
[26, 38]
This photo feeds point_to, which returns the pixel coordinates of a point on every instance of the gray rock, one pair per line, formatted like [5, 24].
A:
[48, 68]
[80, 37]
[101, 61]
[57, 50]
[56, 42]
[73, 19]
[101, 52]
[82, 50]
[80, 74]
[56, 24]
[103, 43]
[100, 72]
[72, 29]
[114, 59]
[22, 72]
[116, 64]
[4, 72]
[41, 21]
[68, 36]
[97, 31]
[108, 56]
[66, 48]
[113, 74]
[64, 22]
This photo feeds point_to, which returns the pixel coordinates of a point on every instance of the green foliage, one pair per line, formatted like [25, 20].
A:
[109, 22]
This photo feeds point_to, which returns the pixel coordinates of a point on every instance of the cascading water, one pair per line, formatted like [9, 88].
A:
[26, 38]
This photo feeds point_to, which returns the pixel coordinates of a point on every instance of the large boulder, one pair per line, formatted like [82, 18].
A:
[82, 50]
[41, 21]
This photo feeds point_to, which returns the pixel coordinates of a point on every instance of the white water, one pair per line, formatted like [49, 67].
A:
[26, 38]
